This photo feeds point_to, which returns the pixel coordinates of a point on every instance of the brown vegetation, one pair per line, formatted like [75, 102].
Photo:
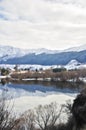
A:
[73, 75]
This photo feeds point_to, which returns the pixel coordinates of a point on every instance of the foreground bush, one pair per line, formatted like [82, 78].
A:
[42, 118]
[7, 121]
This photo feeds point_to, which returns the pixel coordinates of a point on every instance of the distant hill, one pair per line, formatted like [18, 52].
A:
[10, 55]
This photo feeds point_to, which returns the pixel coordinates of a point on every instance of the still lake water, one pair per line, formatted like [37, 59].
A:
[29, 94]
[29, 88]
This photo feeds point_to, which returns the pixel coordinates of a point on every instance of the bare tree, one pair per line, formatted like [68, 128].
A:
[29, 119]
[47, 115]
[7, 121]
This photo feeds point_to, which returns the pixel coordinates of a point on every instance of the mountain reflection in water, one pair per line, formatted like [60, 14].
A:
[23, 88]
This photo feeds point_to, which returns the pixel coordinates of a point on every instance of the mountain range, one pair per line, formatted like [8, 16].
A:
[11, 55]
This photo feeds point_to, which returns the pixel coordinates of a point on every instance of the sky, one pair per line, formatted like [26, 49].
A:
[51, 24]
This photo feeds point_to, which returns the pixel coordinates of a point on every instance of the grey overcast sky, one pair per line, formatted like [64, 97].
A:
[51, 24]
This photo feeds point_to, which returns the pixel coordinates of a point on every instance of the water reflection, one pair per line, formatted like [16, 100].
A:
[29, 94]
[44, 86]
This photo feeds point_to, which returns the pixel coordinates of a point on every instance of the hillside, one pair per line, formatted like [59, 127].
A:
[9, 55]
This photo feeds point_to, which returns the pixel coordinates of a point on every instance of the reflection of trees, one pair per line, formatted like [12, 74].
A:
[55, 84]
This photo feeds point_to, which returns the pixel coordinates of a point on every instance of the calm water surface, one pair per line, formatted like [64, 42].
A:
[39, 88]
[28, 95]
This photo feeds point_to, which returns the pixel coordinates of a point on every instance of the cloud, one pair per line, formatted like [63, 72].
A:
[52, 24]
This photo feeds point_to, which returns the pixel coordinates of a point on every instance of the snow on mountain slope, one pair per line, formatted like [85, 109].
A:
[14, 55]
[42, 50]
[79, 48]
[47, 51]
[8, 52]
[73, 64]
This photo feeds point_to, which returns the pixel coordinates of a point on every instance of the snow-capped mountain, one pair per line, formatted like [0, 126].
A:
[42, 50]
[9, 52]
[11, 55]
[78, 48]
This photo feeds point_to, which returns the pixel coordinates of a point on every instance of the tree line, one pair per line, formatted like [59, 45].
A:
[76, 75]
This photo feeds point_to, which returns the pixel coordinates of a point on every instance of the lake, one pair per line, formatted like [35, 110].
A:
[29, 94]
